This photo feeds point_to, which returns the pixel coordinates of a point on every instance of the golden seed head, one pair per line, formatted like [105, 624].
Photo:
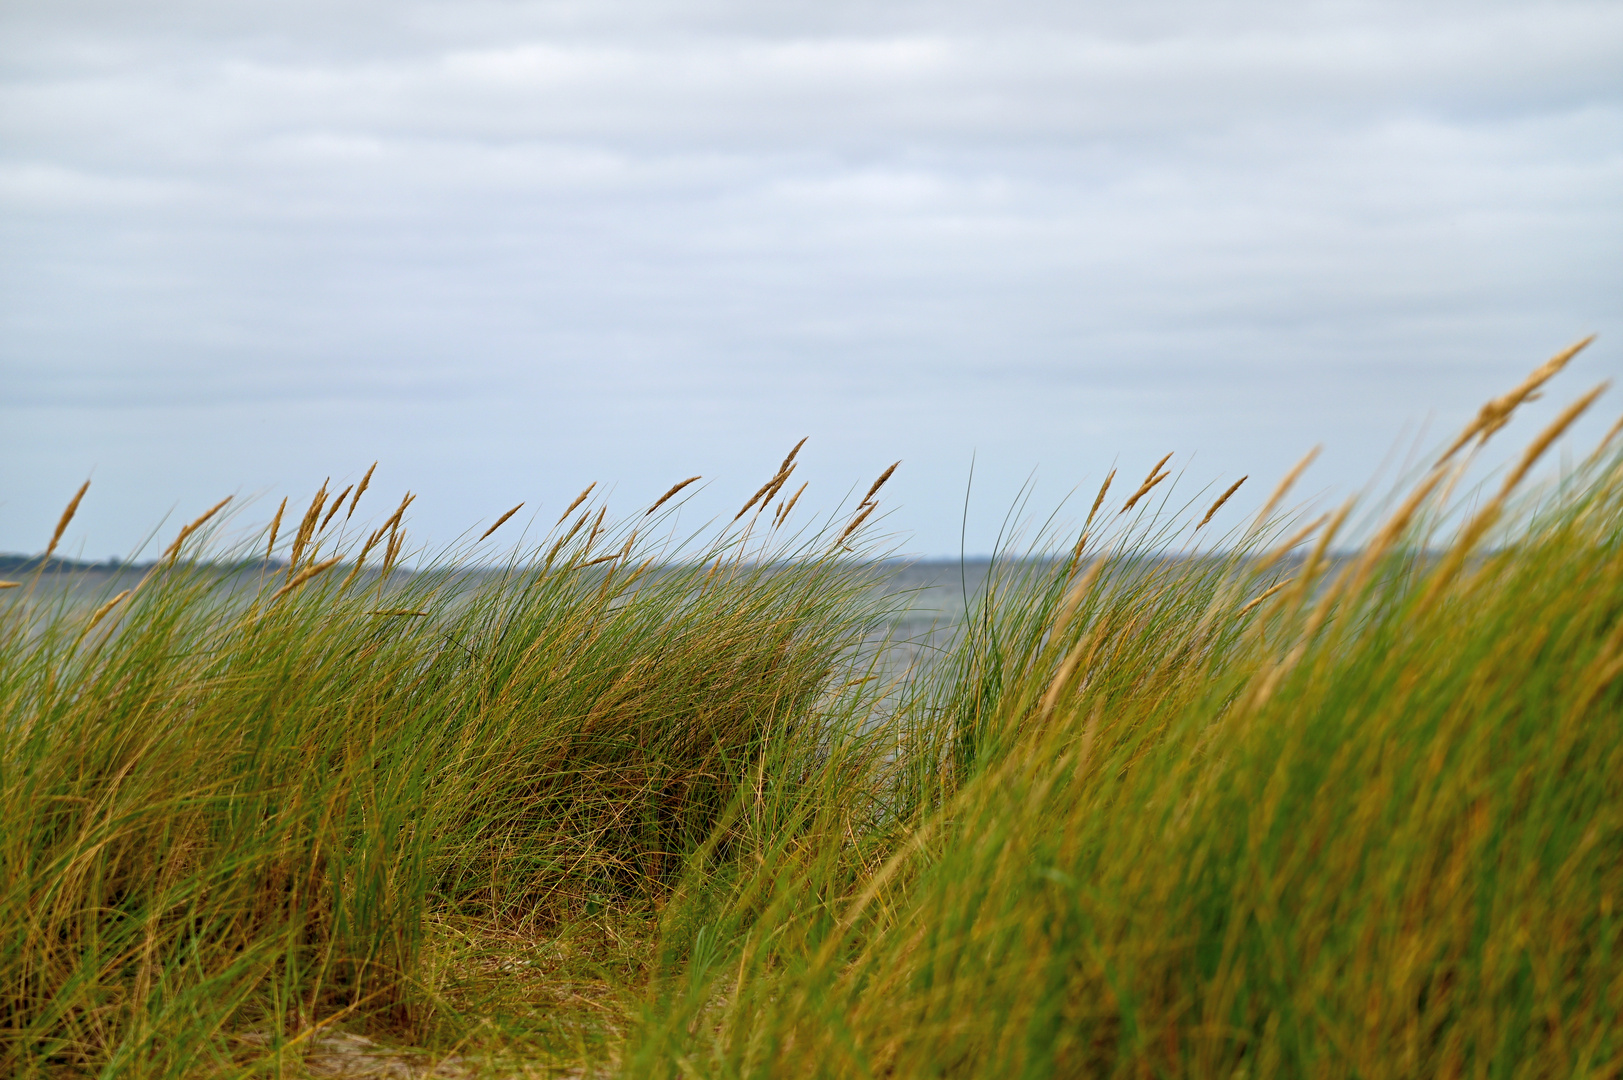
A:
[394, 519]
[1150, 476]
[307, 528]
[777, 485]
[777, 479]
[1547, 436]
[879, 483]
[1286, 484]
[303, 576]
[62, 523]
[397, 540]
[101, 612]
[856, 522]
[360, 490]
[1221, 499]
[1155, 477]
[174, 548]
[792, 453]
[1263, 597]
[276, 526]
[663, 499]
[570, 509]
[1496, 413]
[337, 505]
[1099, 499]
[499, 522]
[790, 505]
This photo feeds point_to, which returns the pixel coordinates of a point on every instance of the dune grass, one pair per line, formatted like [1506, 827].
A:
[1331, 798]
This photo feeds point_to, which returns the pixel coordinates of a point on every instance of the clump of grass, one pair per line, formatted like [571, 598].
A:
[239, 801]
[1336, 797]
[1280, 811]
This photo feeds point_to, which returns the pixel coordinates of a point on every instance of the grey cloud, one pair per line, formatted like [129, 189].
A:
[1010, 225]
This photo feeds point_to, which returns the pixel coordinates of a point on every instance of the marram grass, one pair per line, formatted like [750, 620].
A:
[1341, 801]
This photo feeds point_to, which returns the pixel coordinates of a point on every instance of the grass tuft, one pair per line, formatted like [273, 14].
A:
[1167, 803]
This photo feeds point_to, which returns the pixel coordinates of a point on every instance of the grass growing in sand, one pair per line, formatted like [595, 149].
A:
[1302, 807]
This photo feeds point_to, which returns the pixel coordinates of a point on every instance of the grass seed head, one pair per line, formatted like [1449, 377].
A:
[879, 483]
[62, 523]
[303, 576]
[790, 505]
[665, 498]
[570, 509]
[307, 528]
[500, 522]
[1099, 499]
[1221, 499]
[1150, 481]
[397, 540]
[393, 521]
[173, 551]
[1285, 485]
[360, 490]
[337, 505]
[101, 612]
[1496, 413]
[1554, 431]
[777, 479]
[856, 522]
[1150, 476]
[1248, 608]
[777, 486]
[787, 461]
[275, 527]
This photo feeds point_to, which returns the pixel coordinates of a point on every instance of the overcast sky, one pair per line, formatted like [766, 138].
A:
[507, 248]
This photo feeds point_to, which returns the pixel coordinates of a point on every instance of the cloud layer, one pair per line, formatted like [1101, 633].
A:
[511, 247]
